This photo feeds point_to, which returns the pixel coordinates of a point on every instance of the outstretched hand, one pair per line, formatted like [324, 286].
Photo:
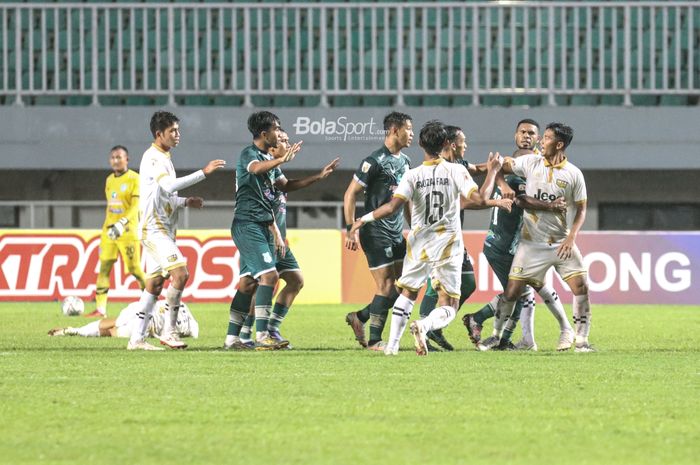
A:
[194, 202]
[292, 152]
[505, 204]
[213, 166]
[329, 168]
[559, 205]
[494, 162]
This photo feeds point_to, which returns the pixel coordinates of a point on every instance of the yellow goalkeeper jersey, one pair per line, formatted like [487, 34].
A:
[122, 193]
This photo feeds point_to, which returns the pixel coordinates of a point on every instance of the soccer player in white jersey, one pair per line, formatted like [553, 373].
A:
[437, 190]
[158, 207]
[549, 238]
[128, 318]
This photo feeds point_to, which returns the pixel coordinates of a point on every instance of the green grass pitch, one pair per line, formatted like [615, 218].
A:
[78, 400]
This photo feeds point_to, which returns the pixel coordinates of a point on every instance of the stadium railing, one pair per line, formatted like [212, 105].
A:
[89, 214]
[288, 54]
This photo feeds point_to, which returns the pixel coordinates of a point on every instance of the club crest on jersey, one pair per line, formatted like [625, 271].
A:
[365, 167]
[172, 258]
[517, 270]
[561, 183]
[114, 195]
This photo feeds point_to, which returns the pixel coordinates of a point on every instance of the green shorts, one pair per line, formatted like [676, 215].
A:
[467, 267]
[287, 263]
[500, 264]
[380, 255]
[256, 248]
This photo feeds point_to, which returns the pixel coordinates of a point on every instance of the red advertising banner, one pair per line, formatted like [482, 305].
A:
[624, 267]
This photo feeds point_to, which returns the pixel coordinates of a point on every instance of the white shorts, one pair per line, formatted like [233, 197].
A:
[533, 260]
[126, 320]
[162, 255]
[446, 275]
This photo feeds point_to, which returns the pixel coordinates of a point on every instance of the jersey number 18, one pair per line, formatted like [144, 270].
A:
[434, 201]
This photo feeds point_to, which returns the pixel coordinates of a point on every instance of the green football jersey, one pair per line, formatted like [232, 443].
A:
[380, 174]
[279, 204]
[504, 230]
[254, 193]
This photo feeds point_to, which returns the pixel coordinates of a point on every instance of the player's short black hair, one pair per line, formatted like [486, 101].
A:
[452, 132]
[528, 121]
[395, 119]
[562, 133]
[119, 147]
[433, 137]
[162, 120]
[261, 121]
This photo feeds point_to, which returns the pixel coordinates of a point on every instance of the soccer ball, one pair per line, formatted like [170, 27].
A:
[72, 306]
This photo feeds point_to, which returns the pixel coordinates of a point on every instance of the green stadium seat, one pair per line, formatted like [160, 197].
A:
[584, 100]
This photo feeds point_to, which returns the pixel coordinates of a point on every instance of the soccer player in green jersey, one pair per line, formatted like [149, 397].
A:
[254, 230]
[382, 241]
[287, 266]
[499, 247]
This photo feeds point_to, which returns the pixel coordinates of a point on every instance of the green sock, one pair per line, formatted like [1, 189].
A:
[247, 328]
[363, 314]
[428, 304]
[378, 310]
[263, 304]
[237, 313]
[484, 314]
[429, 300]
[279, 311]
[468, 287]
[512, 322]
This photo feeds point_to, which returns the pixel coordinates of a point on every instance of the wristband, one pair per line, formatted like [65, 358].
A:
[368, 218]
[348, 227]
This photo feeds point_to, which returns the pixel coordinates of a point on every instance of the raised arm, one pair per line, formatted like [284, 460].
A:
[289, 185]
[527, 202]
[171, 184]
[383, 211]
[263, 166]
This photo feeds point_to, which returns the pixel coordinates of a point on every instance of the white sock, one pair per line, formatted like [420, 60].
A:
[172, 297]
[230, 339]
[493, 303]
[527, 315]
[582, 317]
[89, 330]
[438, 318]
[147, 303]
[400, 315]
[504, 310]
[553, 302]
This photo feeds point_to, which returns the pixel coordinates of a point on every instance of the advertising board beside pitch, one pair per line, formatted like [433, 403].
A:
[624, 268]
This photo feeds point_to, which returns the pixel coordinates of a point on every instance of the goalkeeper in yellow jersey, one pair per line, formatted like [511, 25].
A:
[119, 230]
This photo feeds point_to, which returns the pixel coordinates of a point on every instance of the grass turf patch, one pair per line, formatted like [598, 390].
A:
[72, 399]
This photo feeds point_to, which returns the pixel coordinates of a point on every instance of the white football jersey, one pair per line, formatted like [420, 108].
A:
[434, 190]
[186, 326]
[546, 183]
[158, 208]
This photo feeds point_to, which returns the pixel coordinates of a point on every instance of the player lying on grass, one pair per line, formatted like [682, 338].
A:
[436, 191]
[123, 325]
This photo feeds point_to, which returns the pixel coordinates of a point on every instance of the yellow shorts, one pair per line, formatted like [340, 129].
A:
[130, 250]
